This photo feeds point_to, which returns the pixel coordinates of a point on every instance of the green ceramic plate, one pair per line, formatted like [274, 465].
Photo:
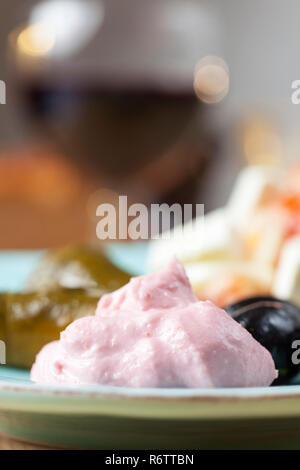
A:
[120, 418]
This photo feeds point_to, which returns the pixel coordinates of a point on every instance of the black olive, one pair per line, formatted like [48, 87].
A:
[275, 324]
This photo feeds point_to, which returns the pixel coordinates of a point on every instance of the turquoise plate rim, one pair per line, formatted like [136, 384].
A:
[155, 404]
[131, 392]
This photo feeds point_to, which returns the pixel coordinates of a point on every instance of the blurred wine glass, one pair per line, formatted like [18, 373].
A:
[111, 84]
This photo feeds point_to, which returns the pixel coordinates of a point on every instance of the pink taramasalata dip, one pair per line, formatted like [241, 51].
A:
[153, 332]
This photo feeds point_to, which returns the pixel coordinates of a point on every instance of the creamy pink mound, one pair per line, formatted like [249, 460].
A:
[153, 332]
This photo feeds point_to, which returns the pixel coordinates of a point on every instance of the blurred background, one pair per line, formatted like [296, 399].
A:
[163, 101]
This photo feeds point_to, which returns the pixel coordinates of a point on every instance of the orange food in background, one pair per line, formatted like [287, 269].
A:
[42, 200]
[227, 289]
[275, 220]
